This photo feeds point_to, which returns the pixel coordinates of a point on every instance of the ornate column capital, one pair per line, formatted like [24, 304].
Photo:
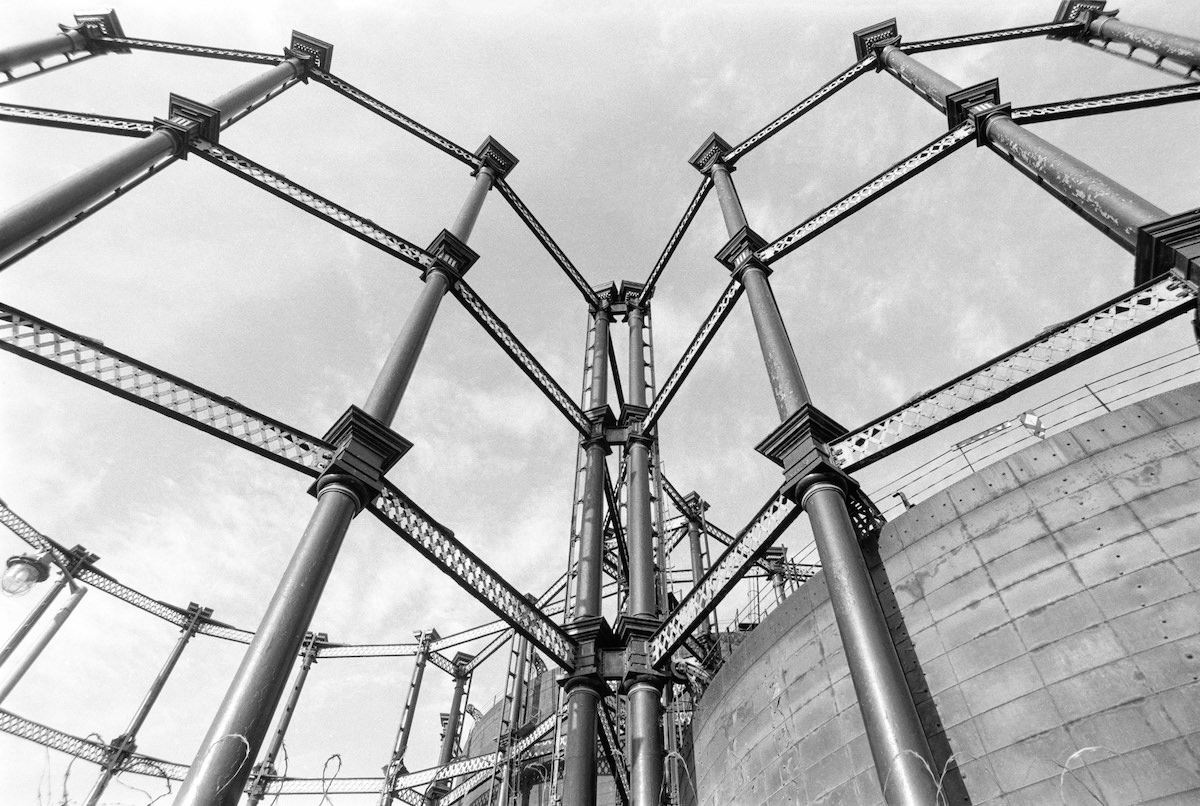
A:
[1171, 243]
[1081, 11]
[99, 23]
[874, 38]
[310, 52]
[188, 120]
[496, 157]
[451, 256]
[710, 153]
[366, 450]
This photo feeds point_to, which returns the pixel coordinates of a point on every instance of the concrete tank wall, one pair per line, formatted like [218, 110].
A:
[1046, 611]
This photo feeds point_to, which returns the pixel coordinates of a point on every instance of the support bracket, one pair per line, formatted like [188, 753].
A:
[1172, 243]
[874, 38]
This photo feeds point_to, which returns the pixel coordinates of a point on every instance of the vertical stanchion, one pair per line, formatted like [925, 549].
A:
[898, 743]
[395, 766]
[366, 448]
[263, 771]
[123, 746]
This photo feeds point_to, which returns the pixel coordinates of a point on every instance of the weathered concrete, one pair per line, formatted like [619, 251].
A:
[1045, 611]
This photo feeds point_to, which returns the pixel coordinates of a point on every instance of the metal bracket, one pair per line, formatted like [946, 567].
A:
[958, 104]
[496, 157]
[310, 50]
[451, 255]
[1172, 243]
[1080, 11]
[188, 120]
[710, 153]
[874, 38]
[366, 450]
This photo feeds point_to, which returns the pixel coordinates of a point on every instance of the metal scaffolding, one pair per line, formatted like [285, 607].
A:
[657, 648]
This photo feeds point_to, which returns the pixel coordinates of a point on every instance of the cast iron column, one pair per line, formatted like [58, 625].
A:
[395, 767]
[22, 226]
[69, 41]
[584, 688]
[1114, 208]
[266, 767]
[898, 744]
[366, 449]
[643, 687]
[78, 558]
[52, 628]
[514, 718]
[126, 744]
[1105, 25]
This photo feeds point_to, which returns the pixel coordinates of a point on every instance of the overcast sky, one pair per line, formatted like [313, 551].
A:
[208, 277]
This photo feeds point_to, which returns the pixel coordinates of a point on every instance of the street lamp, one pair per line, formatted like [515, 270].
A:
[23, 572]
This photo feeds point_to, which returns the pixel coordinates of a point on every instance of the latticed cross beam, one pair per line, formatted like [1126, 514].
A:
[310, 202]
[521, 355]
[81, 121]
[1116, 102]
[439, 545]
[708, 329]
[546, 241]
[673, 242]
[771, 521]
[186, 50]
[906, 169]
[987, 37]
[90, 361]
[1055, 350]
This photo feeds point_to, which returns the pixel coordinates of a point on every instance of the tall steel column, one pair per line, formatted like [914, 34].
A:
[121, 747]
[22, 226]
[453, 720]
[56, 622]
[78, 558]
[1104, 25]
[644, 689]
[367, 449]
[69, 41]
[266, 767]
[514, 722]
[584, 689]
[898, 744]
[395, 766]
[1109, 205]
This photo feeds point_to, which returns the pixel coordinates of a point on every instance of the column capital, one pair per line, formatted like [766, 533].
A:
[964, 105]
[602, 421]
[741, 248]
[697, 503]
[461, 661]
[99, 23]
[711, 152]
[800, 444]
[496, 157]
[609, 295]
[628, 297]
[310, 51]
[1171, 243]
[594, 640]
[366, 450]
[1081, 11]
[187, 120]
[635, 632]
[451, 256]
[874, 38]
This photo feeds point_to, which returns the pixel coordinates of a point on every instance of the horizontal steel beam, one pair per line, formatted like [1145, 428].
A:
[88, 360]
[673, 242]
[1099, 104]
[708, 329]
[543, 728]
[521, 355]
[771, 521]
[386, 112]
[86, 749]
[187, 50]
[546, 241]
[1051, 352]
[319, 206]
[80, 121]
[986, 37]
[439, 545]
[904, 170]
[825, 91]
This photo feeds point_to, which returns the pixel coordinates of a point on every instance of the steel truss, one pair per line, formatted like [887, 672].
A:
[87, 359]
